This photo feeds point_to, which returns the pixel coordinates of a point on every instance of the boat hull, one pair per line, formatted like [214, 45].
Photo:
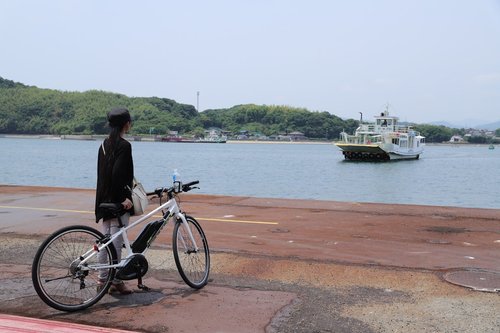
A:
[372, 152]
[360, 152]
[394, 156]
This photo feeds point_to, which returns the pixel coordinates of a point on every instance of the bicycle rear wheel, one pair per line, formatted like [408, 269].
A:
[56, 274]
[193, 264]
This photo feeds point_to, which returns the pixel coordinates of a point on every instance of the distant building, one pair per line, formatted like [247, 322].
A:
[213, 131]
[283, 137]
[296, 136]
[457, 139]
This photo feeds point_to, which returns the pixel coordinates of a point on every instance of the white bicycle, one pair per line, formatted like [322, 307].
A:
[66, 267]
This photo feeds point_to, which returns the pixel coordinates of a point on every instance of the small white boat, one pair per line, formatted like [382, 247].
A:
[213, 138]
[383, 140]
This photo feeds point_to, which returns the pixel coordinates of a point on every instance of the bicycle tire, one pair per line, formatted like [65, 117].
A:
[54, 272]
[193, 266]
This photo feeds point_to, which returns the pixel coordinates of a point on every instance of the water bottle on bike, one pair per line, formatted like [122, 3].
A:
[176, 179]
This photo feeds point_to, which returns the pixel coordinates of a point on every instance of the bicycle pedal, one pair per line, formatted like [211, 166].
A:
[143, 287]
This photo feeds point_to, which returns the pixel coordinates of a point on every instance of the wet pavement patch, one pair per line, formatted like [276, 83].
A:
[279, 231]
[446, 230]
[319, 310]
[378, 295]
[138, 298]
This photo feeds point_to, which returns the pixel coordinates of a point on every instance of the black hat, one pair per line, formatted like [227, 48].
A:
[118, 117]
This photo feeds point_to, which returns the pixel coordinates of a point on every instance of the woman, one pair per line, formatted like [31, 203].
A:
[115, 173]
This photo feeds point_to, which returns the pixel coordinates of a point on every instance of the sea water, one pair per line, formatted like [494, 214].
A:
[445, 175]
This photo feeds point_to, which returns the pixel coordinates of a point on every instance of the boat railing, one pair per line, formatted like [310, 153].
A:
[372, 128]
[403, 129]
[361, 139]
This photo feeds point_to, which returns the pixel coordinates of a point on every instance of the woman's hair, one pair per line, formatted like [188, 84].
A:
[117, 119]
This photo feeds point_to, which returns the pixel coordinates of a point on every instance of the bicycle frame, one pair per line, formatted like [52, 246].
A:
[172, 210]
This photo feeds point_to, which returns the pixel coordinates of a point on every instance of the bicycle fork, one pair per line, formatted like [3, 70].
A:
[186, 227]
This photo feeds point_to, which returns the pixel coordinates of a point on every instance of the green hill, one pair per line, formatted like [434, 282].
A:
[270, 120]
[31, 110]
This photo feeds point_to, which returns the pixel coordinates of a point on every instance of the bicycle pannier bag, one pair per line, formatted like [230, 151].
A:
[139, 198]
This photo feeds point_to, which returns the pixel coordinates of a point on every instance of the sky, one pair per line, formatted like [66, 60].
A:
[429, 60]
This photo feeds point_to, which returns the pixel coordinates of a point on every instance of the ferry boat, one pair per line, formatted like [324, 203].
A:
[383, 140]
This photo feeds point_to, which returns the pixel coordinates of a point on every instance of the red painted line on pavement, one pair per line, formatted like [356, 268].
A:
[9, 323]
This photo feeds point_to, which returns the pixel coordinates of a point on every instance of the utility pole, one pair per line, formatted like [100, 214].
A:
[198, 101]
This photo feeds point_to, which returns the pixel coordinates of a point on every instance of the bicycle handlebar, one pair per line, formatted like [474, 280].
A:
[189, 186]
[169, 190]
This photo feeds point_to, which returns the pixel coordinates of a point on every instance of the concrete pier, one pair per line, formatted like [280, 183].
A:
[281, 266]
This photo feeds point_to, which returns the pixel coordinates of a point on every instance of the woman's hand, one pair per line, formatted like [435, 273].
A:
[127, 204]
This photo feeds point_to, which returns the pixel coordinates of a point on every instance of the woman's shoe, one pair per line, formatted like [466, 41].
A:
[120, 288]
[100, 285]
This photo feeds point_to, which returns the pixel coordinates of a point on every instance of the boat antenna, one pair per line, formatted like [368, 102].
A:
[387, 109]
[361, 120]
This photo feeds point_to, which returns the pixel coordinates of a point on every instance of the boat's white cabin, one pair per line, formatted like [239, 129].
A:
[385, 122]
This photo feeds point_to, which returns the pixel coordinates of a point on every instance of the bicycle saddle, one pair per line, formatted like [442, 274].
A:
[113, 208]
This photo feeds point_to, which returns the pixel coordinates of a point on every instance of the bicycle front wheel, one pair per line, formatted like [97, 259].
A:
[60, 280]
[192, 260]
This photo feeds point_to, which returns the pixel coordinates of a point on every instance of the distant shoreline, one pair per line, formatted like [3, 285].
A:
[84, 137]
[96, 137]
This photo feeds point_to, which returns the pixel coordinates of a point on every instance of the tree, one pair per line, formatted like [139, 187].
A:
[4, 83]
[477, 139]
[435, 133]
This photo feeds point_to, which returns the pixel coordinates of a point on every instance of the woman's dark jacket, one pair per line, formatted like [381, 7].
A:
[115, 173]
